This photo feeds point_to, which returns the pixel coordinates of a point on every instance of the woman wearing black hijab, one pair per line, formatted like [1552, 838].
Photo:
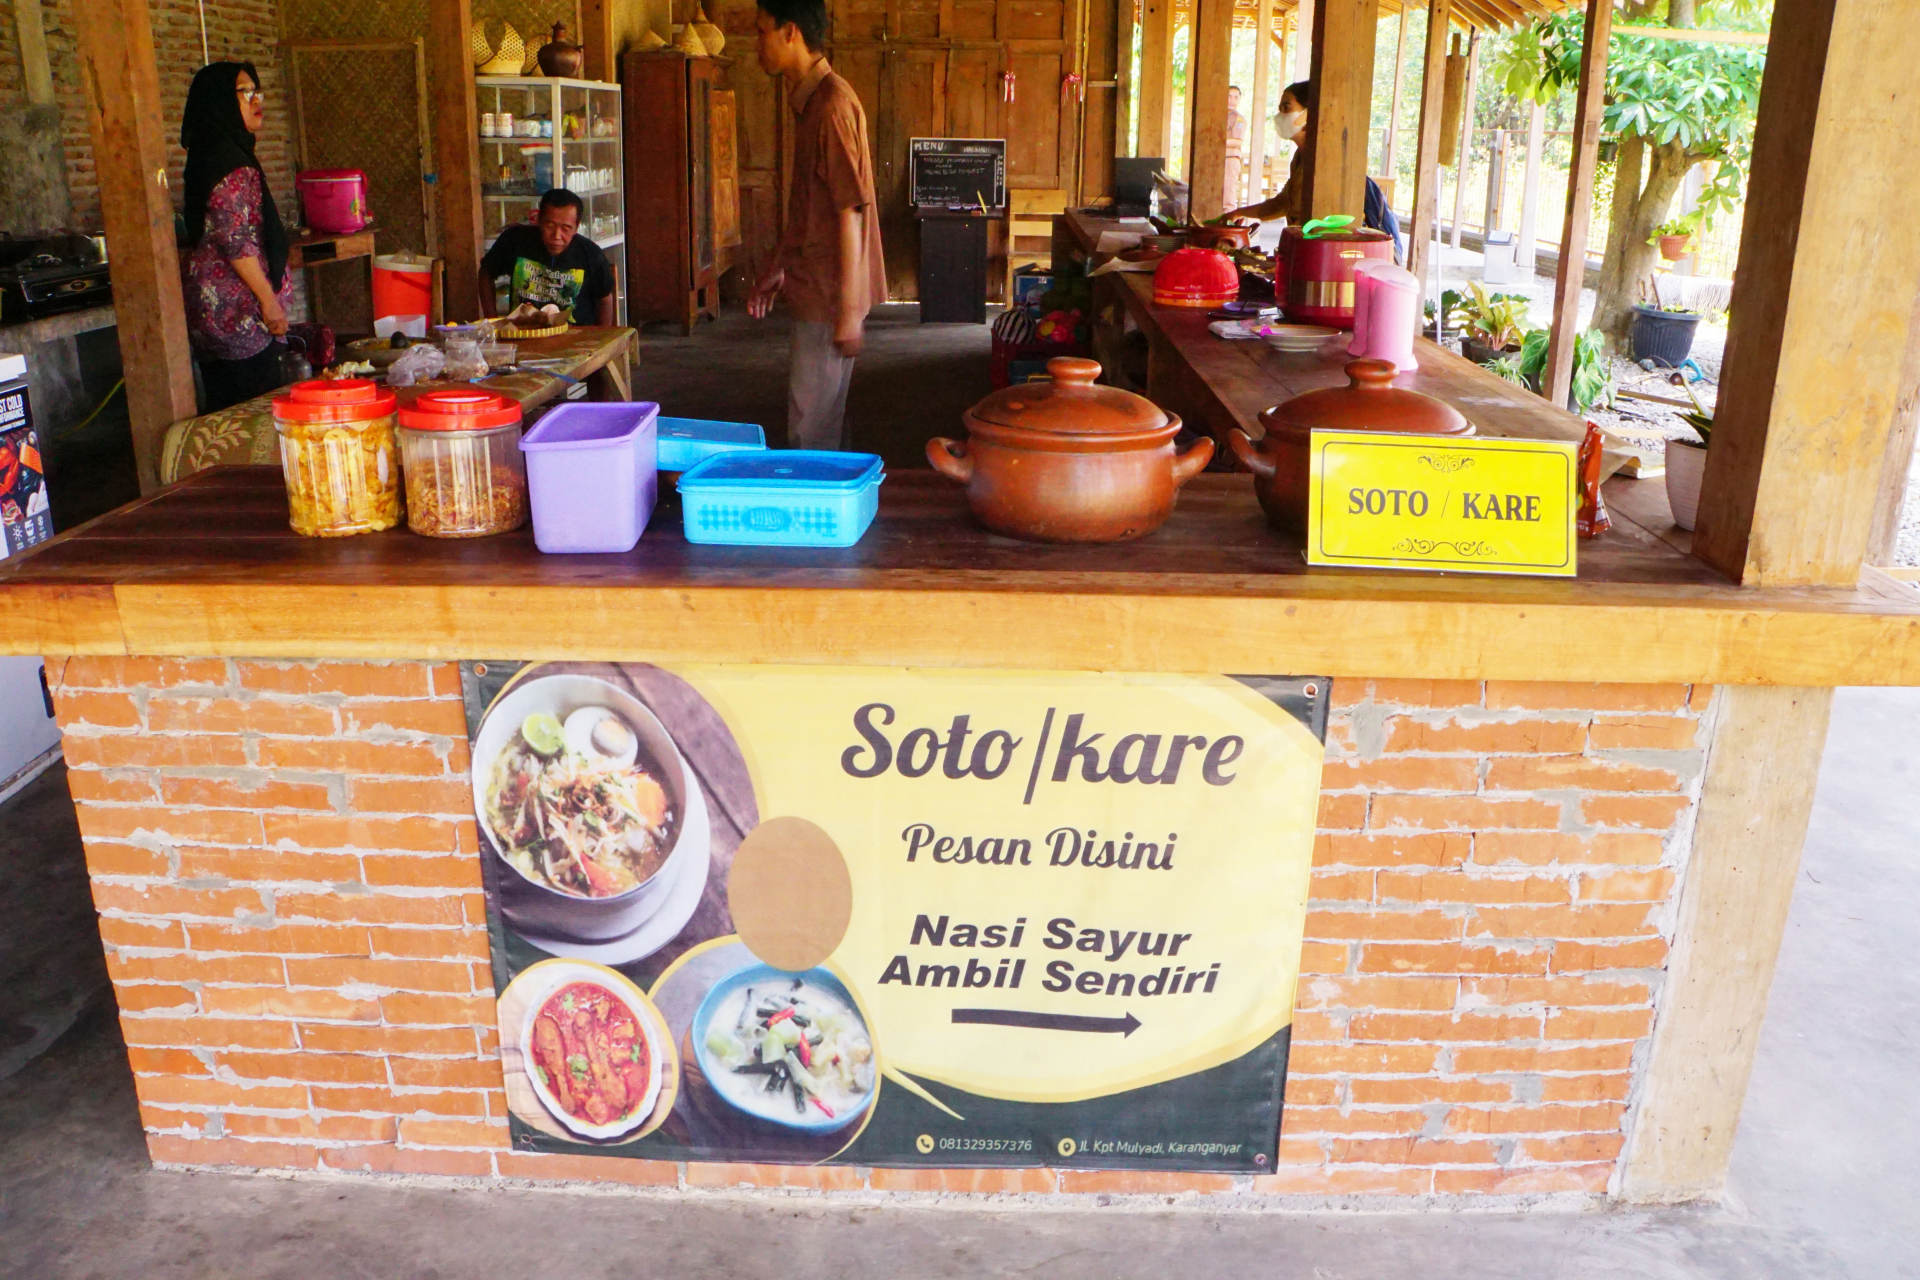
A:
[235, 275]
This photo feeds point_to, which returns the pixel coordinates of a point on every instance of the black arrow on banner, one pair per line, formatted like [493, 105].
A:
[1126, 1026]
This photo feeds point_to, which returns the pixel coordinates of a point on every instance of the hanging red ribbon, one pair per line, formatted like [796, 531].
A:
[1007, 79]
[1074, 81]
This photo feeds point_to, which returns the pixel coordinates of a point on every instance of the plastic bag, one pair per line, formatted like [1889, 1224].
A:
[418, 364]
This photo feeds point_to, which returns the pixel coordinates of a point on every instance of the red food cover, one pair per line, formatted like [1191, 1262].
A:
[1195, 278]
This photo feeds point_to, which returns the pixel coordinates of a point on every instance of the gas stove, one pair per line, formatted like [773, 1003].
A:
[48, 275]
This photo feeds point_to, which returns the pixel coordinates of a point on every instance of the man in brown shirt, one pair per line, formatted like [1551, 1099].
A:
[828, 266]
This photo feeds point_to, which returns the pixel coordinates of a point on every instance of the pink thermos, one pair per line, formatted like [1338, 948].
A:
[1392, 309]
[1362, 303]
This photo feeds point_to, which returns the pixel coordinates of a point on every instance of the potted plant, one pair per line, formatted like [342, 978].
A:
[1662, 334]
[1675, 236]
[1687, 466]
[1495, 323]
[1593, 382]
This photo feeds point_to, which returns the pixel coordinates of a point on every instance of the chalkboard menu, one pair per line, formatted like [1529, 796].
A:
[960, 171]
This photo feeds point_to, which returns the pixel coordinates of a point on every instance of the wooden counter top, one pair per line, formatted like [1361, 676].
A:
[210, 568]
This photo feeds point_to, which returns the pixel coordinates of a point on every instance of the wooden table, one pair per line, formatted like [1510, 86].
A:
[210, 568]
[244, 433]
[1216, 385]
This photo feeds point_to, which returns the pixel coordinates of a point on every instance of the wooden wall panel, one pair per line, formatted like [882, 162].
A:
[914, 106]
[1036, 121]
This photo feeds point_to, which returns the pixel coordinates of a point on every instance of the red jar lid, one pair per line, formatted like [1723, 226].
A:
[459, 409]
[334, 400]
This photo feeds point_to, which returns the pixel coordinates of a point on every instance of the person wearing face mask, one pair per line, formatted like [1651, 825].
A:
[1291, 120]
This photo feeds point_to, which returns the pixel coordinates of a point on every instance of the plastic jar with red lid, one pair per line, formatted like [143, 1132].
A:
[339, 456]
[466, 477]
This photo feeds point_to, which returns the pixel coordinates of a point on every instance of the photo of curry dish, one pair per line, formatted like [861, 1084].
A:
[571, 805]
[590, 1055]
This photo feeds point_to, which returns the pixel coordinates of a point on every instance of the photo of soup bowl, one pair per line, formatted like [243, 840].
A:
[746, 1093]
[532, 904]
[552, 980]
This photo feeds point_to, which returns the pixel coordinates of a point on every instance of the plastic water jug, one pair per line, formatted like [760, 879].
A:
[1393, 314]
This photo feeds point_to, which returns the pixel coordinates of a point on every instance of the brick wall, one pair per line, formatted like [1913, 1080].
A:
[286, 866]
[237, 30]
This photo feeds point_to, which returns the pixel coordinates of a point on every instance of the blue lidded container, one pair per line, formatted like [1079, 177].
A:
[781, 498]
[685, 441]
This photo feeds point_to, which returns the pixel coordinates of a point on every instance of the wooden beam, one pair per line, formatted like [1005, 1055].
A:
[599, 36]
[1258, 109]
[1816, 374]
[1426, 153]
[1465, 150]
[1207, 92]
[1184, 121]
[1303, 39]
[1570, 278]
[130, 134]
[1127, 18]
[1342, 120]
[1392, 148]
[456, 153]
[35, 70]
[1752, 822]
[1156, 78]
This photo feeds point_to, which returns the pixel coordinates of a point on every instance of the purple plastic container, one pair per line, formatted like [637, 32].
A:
[591, 476]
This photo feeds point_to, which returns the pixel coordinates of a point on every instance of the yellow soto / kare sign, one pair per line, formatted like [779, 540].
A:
[1386, 501]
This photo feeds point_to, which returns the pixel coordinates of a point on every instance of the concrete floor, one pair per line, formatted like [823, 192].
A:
[1823, 1184]
[911, 383]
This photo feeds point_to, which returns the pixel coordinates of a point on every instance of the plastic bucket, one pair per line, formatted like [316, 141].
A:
[591, 476]
[1664, 337]
[402, 289]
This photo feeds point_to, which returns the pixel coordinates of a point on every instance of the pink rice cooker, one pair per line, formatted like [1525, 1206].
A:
[335, 200]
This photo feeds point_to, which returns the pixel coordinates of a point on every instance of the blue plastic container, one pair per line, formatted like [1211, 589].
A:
[686, 441]
[782, 498]
[591, 476]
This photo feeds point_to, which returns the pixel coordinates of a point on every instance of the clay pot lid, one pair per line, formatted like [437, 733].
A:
[1369, 402]
[1071, 404]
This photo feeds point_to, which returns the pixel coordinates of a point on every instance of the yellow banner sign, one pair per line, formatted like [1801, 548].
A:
[1483, 505]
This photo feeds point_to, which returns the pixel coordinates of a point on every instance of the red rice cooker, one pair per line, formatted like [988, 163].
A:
[1195, 278]
[1314, 273]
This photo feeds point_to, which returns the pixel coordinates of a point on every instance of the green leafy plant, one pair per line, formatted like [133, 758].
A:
[1701, 420]
[1593, 381]
[1684, 225]
[1498, 320]
[1672, 104]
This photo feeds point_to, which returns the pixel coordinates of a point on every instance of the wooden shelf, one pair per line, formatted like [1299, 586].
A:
[210, 568]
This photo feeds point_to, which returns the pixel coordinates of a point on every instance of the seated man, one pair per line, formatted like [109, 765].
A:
[551, 263]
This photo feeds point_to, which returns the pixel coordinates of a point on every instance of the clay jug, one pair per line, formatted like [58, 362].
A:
[559, 56]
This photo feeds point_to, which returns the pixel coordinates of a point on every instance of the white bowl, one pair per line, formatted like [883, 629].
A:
[560, 973]
[534, 906]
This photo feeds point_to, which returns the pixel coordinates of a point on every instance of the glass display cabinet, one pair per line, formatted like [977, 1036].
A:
[540, 132]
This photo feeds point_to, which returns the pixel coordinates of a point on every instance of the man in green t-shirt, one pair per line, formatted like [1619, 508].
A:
[551, 263]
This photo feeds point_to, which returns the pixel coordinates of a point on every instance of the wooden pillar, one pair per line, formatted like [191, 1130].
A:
[1127, 18]
[35, 70]
[1207, 92]
[1588, 107]
[1303, 39]
[130, 137]
[1465, 150]
[1156, 78]
[1530, 187]
[1342, 120]
[1258, 109]
[1754, 805]
[1393, 113]
[456, 153]
[599, 37]
[1820, 378]
[1426, 154]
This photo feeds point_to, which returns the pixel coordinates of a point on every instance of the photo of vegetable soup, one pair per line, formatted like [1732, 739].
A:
[789, 1050]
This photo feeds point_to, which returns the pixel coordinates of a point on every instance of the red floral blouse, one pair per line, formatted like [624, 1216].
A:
[223, 316]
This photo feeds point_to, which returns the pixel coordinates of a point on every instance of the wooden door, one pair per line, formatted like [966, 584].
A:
[762, 131]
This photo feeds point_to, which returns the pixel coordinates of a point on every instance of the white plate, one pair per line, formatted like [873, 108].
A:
[689, 881]
[552, 977]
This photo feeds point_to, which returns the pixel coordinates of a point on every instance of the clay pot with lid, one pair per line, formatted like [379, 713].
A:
[1369, 402]
[1069, 461]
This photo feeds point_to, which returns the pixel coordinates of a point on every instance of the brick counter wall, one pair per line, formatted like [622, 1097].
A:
[286, 866]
